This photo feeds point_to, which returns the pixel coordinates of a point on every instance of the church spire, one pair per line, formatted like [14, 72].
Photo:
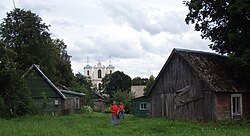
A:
[87, 60]
[109, 60]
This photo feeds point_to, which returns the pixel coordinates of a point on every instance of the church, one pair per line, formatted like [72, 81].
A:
[96, 73]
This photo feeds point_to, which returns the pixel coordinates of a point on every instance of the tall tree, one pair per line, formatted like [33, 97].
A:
[226, 23]
[116, 81]
[14, 95]
[24, 33]
[64, 72]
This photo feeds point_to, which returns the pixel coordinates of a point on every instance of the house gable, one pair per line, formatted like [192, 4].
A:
[40, 85]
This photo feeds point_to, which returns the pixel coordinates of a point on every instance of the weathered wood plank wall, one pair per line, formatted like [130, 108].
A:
[177, 76]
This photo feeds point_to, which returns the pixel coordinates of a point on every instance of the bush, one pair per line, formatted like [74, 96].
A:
[87, 109]
[106, 110]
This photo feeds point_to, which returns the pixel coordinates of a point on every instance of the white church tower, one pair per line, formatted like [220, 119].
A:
[96, 73]
[88, 70]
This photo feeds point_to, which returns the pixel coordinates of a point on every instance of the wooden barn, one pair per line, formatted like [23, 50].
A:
[199, 86]
[47, 97]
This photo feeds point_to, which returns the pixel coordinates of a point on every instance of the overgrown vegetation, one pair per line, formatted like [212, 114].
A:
[25, 40]
[99, 124]
[226, 24]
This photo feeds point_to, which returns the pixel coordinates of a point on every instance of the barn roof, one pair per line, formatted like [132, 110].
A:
[211, 68]
[35, 67]
[66, 90]
[72, 92]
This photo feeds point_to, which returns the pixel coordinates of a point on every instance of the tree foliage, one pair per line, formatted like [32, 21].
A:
[14, 95]
[82, 84]
[26, 34]
[149, 83]
[226, 23]
[116, 81]
[139, 81]
[63, 65]
[125, 97]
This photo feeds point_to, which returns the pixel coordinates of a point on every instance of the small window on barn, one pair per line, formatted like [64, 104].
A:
[77, 105]
[143, 106]
[56, 102]
[236, 104]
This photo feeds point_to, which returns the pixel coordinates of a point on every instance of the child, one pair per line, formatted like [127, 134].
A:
[114, 111]
[121, 110]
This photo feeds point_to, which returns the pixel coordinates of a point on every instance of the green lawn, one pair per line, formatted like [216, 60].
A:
[98, 124]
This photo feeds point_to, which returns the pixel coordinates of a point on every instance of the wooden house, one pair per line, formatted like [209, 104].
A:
[141, 106]
[47, 97]
[99, 101]
[74, 101]
[200, 86]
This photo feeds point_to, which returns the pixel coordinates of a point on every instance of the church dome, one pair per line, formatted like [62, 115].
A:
[88, 67]
[110, 67]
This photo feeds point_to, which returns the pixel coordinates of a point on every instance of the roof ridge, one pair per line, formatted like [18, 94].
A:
[196, 51]
[45, 77]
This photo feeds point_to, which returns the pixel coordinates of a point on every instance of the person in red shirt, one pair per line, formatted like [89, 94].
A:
[114, 111]
[121, 110]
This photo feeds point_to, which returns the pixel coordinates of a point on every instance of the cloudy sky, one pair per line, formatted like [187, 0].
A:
[136, 35]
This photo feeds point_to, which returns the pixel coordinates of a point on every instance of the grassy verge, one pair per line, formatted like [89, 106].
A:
[99, 124]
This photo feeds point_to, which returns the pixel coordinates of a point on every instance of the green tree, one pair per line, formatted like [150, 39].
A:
[116, 81]
[125, 97]
[14, 95]
[82, 84]
[139, 81]
[24, 33]
[226, 23]
[149, 83]
[64, 72]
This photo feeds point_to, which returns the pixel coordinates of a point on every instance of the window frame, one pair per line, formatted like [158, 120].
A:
[77, 102]
[99, 73]
[143, 106]
[239, 107]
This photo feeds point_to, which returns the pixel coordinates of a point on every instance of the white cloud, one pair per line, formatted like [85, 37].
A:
[138, 35]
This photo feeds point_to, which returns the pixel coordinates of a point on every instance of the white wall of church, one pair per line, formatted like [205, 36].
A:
[97, 72]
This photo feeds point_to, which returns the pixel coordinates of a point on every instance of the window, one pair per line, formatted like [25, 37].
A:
[77, 106]
[99, 73]
[56, 102]
[143, 106]
[110, 72]
[99, 86]
[88, 72]
[236, 104]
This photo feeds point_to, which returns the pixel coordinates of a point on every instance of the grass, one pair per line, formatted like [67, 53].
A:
[94, 124]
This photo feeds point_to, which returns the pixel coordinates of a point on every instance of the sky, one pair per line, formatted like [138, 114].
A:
[135, 36]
